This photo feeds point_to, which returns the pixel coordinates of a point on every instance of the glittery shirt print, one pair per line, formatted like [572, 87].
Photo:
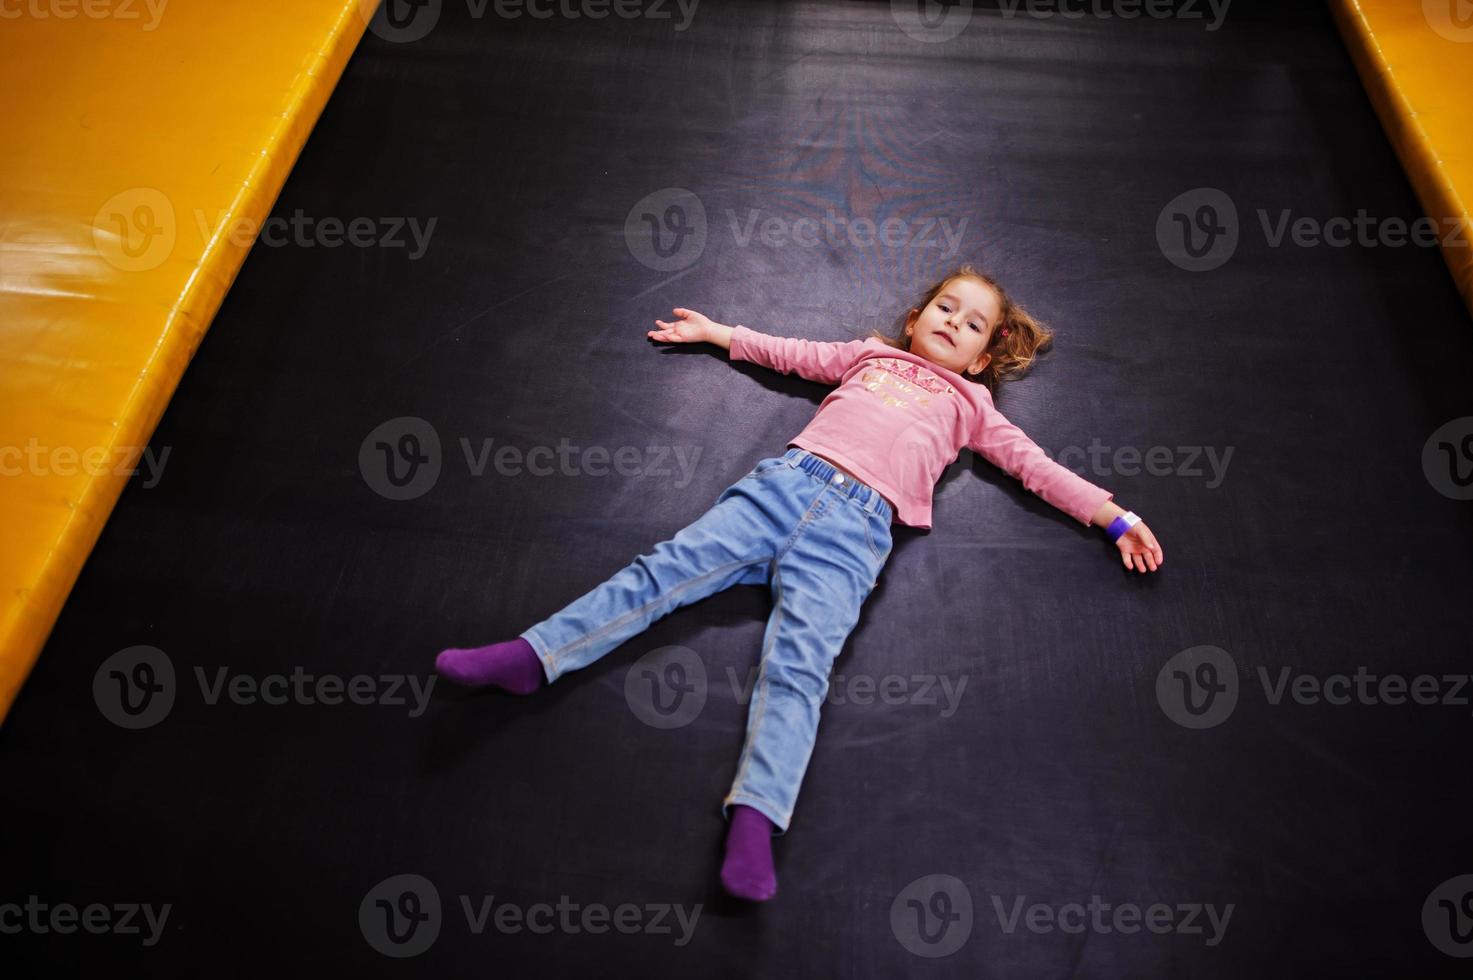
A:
[901, 383]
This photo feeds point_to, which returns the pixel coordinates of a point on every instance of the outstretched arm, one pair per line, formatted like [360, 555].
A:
[815, 360]
[1004, 444]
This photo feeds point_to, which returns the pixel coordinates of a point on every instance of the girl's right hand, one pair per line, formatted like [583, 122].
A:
[691, 328]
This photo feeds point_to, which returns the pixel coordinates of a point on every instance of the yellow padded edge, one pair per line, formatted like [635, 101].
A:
[140, 136]
[1416, 60]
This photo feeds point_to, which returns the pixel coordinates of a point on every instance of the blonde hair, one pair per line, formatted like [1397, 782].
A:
[1016, 338]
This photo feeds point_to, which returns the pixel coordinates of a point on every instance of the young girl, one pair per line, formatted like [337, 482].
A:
[814, 524]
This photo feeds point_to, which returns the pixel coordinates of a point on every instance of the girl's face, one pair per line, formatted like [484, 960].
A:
[954, 328]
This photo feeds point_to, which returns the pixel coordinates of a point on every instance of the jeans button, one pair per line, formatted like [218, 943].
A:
[838, 477]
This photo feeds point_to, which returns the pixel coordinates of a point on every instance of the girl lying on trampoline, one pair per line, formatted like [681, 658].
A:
[815, 525]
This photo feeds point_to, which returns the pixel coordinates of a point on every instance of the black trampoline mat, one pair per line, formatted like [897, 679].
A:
[1000, 787]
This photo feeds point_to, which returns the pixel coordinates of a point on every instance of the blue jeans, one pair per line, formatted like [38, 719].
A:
[818, 537]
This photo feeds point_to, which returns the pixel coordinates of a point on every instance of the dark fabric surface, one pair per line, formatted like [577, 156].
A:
[1055, 774]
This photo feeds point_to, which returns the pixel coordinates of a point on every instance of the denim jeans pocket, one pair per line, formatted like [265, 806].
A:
[766, 466]
[877, 535]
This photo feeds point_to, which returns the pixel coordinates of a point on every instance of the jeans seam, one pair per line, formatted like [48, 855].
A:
[802, 522]
[759, 690]
[554, 655]
[868, 537]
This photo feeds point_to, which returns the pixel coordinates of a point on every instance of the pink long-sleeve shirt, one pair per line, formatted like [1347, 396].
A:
[897, 420]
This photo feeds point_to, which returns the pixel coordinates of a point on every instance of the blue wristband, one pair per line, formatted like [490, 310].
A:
[1121, 524]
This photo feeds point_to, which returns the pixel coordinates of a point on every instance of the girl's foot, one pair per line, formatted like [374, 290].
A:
[747, 871]
[513, 666]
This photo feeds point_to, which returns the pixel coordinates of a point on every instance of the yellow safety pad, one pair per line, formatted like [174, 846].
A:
[1416, 59]
[144, 143]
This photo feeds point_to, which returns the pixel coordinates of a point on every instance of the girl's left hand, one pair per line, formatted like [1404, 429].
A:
[1139, 549]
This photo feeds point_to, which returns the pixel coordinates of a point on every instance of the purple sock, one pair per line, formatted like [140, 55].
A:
[747, 871]
[513, 666]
